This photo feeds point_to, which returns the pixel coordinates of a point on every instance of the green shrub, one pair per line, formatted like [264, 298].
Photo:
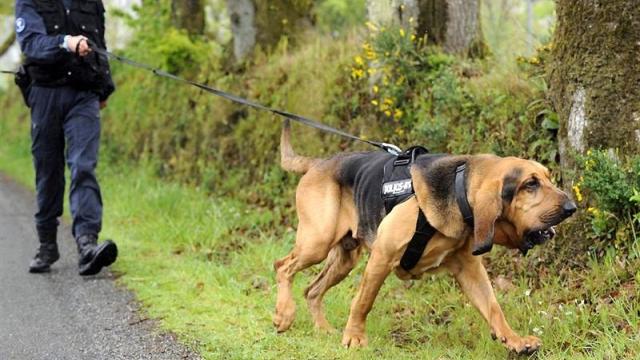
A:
[416, 94]
[335, 16]
[608, 188]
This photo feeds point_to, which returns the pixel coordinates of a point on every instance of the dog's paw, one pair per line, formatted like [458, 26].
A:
[354, 340]
[522, 345]
[282, 320]
[325, 327]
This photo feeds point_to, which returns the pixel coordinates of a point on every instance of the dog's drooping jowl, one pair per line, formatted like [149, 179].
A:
[341, 213]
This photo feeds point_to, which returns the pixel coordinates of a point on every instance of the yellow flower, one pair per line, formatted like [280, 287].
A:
[589, 164]
[374, 102]
[576, 190]
[388, 101]
[359, 60]
[371, 71]
[413, 37]
[357, 73]
[388, 113]
[593, 211]
[370, 55]
[371, 26]
[402, 32]
[375, 89]
[398, 114]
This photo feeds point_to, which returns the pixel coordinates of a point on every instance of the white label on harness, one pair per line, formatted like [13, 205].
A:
[396, 188]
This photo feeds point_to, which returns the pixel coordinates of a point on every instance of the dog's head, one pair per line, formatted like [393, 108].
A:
[518, 205]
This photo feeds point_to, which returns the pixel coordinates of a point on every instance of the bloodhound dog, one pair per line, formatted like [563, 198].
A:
[514, 204]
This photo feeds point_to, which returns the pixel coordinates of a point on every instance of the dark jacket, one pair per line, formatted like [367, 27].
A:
[41, 26]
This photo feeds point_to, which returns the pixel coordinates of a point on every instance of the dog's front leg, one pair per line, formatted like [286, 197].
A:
[377, 270]
[474, 281]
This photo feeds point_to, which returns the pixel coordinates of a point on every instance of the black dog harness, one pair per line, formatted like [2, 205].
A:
[397, 187]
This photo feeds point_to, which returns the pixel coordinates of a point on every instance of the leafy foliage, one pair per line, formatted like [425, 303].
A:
[421, 95]
[609, 188]
[335, 16]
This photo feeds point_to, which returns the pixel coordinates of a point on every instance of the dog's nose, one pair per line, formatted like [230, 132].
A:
[568, 208]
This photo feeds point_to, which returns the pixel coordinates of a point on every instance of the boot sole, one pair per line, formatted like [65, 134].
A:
[106, 254]
[40, 270]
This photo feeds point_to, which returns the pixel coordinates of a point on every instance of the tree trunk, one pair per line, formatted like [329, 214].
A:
[188, 15]
[594, 76]
[264, 22]
[452, 24]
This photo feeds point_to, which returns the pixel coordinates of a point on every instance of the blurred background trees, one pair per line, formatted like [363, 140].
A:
[264, 23]
[188, 15]
[453, 24]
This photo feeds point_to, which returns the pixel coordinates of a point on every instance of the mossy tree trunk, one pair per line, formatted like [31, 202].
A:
[452, 24]
[594, 76]
[188, 15]
[264, 22]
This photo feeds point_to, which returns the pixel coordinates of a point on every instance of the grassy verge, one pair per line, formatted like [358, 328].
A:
[203, 266]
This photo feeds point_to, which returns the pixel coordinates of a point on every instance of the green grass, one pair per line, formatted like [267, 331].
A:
[202, 265]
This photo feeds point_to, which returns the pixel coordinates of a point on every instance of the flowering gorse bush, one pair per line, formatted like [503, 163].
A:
[414, 93]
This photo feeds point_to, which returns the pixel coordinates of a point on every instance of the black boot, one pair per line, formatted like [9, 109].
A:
[94, 257]
[47, 253]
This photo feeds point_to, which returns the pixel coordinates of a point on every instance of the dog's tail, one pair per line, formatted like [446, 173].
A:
[289, 160]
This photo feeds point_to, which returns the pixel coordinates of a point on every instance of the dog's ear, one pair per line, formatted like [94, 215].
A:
[489, 206]
[486, 210]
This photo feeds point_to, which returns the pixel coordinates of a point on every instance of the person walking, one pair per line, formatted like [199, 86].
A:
[69, 86]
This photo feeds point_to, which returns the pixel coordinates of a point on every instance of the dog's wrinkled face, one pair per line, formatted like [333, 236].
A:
[532, 205]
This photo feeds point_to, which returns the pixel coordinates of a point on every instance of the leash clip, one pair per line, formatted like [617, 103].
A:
[391, 149]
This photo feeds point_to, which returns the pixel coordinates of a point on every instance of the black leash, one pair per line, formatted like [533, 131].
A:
[390, 148]
[8, 72]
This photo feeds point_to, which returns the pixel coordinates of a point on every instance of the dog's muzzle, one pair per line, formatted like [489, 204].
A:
[540, 236]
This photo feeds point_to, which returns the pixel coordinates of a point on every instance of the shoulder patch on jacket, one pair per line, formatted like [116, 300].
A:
[20, 25]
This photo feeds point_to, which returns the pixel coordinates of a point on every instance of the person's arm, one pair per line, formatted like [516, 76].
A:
[34, 41]
[110, 86]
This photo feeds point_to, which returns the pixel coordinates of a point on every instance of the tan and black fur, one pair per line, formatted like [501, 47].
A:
[514, 204]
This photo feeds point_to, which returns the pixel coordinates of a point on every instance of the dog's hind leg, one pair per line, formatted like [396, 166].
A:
[318, 205]
[341, 260]
[286, 268]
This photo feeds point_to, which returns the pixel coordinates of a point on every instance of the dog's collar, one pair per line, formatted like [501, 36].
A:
[460, 189]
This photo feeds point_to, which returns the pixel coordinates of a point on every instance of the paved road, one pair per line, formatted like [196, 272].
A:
[62, 315]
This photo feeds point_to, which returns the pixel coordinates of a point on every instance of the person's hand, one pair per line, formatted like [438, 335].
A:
[80, 44]
[103, 104]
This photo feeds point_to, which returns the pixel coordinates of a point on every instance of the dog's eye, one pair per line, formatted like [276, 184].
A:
[532, 184]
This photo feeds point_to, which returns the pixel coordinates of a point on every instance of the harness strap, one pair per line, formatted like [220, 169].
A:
[460, 188]
[425, 231]
[415, 249]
